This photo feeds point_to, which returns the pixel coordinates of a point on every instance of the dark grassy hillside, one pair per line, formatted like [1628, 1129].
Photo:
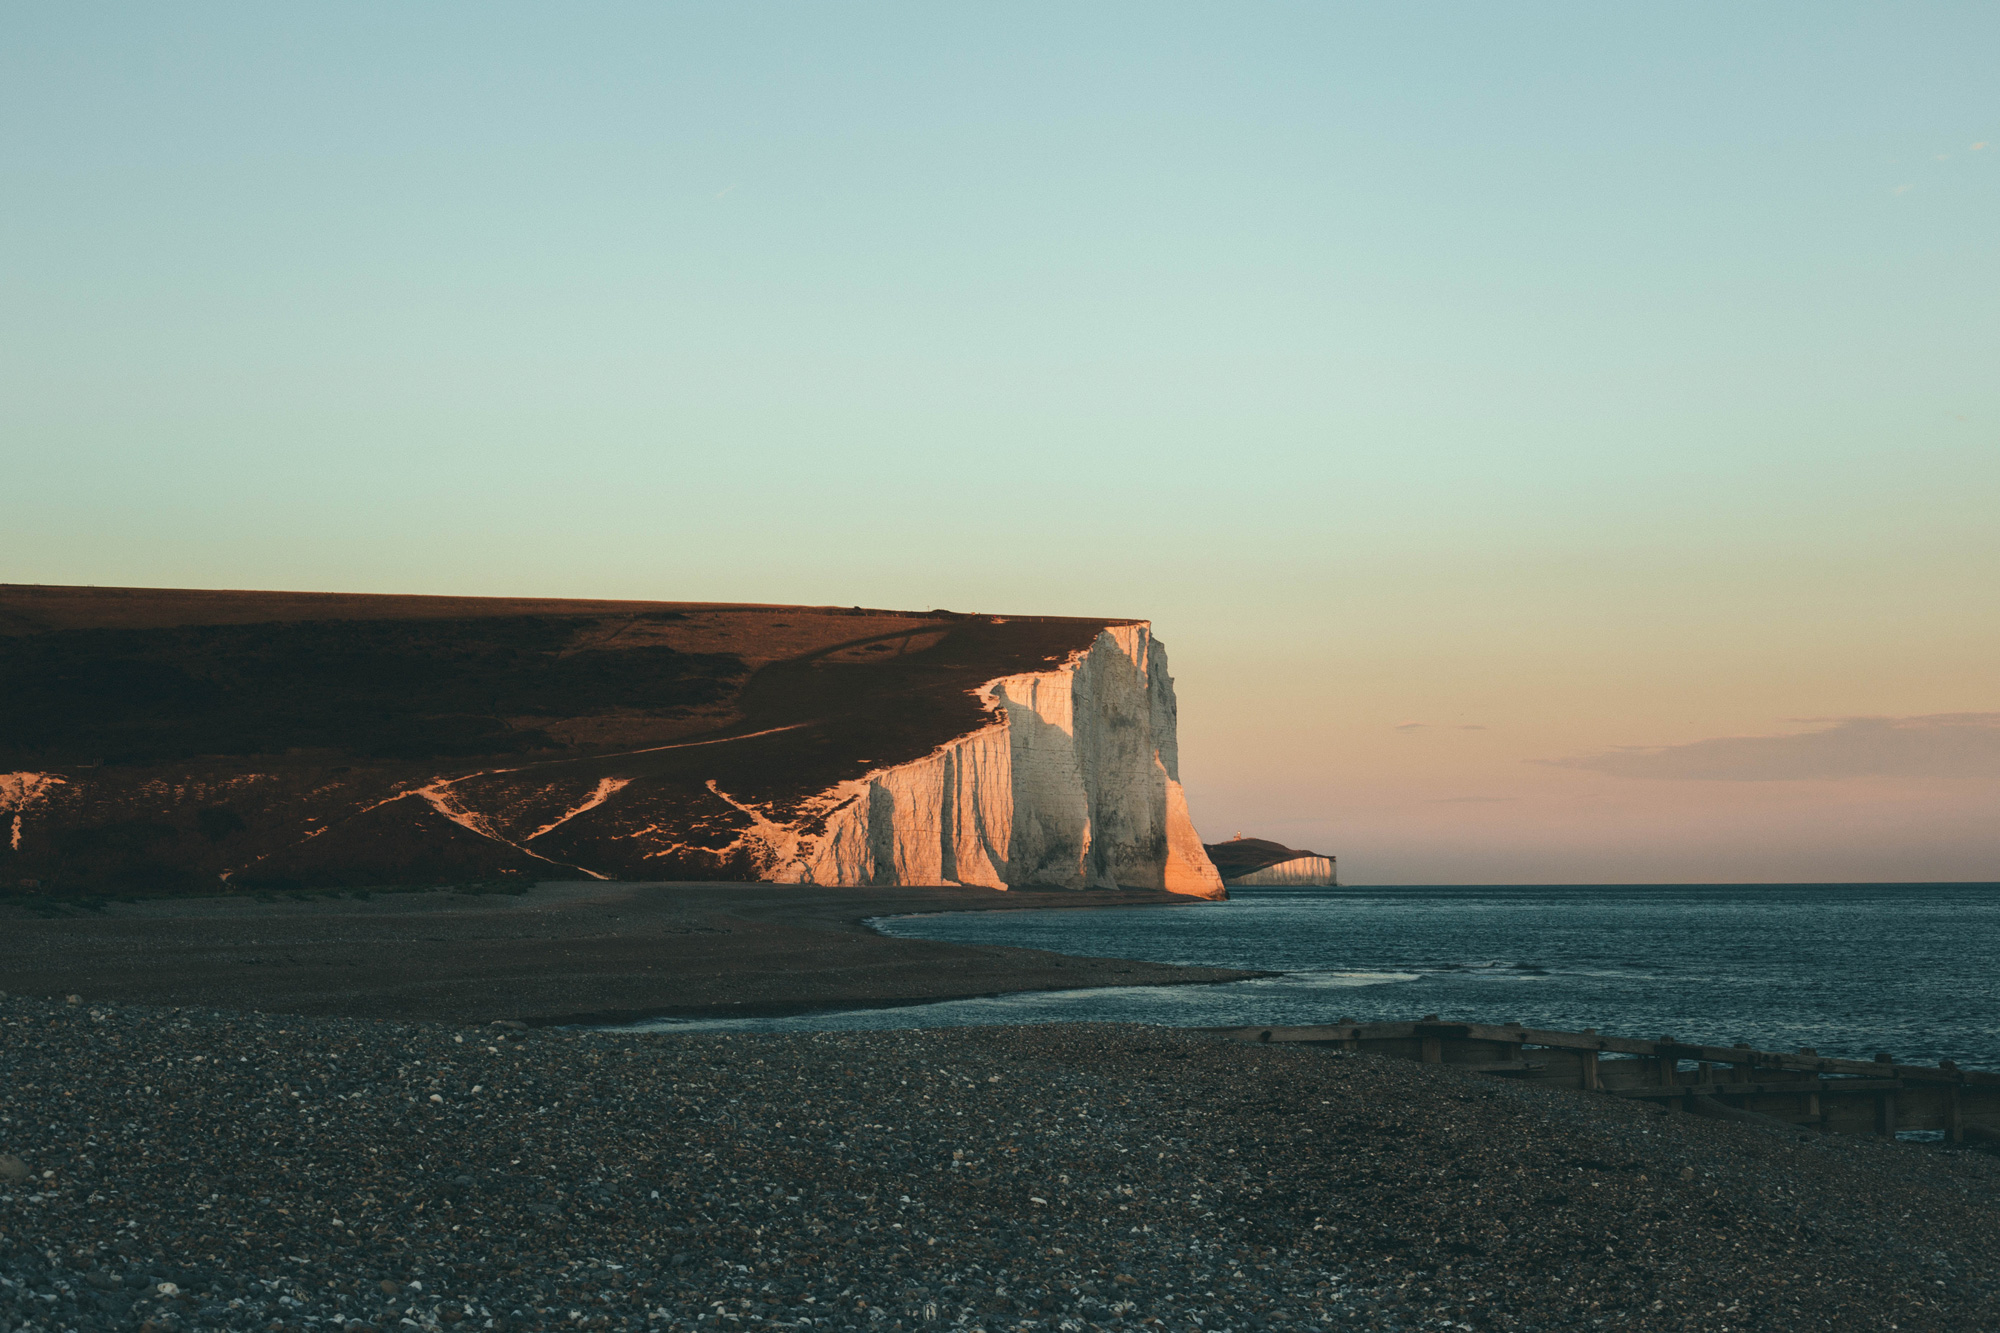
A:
[362, 689]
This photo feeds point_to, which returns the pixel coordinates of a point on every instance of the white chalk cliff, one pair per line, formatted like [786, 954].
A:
[1310, 871]
[1075, 783]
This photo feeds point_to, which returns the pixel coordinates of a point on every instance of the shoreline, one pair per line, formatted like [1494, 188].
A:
[780, 1009]
[561, 953]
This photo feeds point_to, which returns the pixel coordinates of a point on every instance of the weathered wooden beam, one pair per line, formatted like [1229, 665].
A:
[1502, 1067]
[1321, 1034]
[1715, 1109]
[1806, 1061]
[1809, 1062]
[1825, 1086]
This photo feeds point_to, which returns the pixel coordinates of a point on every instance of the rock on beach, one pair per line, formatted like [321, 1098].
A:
[192, 1169]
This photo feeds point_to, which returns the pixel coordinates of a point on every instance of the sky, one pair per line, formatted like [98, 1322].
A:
[1556, 443]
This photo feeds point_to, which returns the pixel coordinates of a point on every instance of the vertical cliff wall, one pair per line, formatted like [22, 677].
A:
[1074, 784]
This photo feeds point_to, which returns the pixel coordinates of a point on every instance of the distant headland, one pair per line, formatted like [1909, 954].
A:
[1259, 862]
[175, 740]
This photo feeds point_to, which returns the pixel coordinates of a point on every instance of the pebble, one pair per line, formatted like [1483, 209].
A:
[261, 1172]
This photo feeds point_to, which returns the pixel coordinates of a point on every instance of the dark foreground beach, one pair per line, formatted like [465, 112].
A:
[371, 1152]
[184, 1168]
[567, 952]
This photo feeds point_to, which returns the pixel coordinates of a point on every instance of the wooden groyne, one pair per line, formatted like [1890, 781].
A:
[1802, 1089]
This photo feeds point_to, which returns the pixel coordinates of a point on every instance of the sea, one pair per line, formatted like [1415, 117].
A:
[1848, 969]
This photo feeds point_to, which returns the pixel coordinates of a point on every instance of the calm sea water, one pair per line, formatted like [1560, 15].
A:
[1912, 969]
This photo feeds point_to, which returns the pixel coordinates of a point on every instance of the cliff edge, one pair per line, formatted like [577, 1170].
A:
[168, 740]
[1261, 863]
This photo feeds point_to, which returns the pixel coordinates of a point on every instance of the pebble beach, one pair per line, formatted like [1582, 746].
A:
[166, 1169]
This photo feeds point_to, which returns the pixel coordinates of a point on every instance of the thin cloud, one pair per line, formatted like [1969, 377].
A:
[1979, 147]
[1902, 189]
[1470, 726]
[1411, 726]
[1939, 745]
[1472, 800]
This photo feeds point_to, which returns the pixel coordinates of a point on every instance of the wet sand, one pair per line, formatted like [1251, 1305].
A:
[567, 952]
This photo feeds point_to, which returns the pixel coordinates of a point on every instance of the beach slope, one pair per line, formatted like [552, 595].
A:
[554, 953]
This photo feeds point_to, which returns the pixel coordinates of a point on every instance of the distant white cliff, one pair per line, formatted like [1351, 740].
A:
[1309, 871]
[1074, 784]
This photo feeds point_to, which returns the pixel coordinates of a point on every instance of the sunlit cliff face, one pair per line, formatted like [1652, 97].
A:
[300, 740]
[1075, 784]
[1072, 781]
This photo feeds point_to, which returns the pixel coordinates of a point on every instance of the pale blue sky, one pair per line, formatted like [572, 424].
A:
[1626, 372]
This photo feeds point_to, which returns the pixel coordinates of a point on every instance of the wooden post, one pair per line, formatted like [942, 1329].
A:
[1885, 1103]
[1668, 1065]
[1433, 1050]
[1590, 1083]
[1954, 1120]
